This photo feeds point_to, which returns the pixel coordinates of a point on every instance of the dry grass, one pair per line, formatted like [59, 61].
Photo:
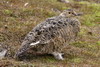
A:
[17, 20]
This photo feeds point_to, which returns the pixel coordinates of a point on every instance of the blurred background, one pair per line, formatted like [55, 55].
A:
[18, 17]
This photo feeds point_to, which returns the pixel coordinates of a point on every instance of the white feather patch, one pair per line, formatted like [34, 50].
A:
[2, 53]
[33, 44]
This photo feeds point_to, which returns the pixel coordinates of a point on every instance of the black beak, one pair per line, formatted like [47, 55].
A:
[78, 14]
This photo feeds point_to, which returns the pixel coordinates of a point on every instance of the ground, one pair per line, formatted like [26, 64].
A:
[18, 17]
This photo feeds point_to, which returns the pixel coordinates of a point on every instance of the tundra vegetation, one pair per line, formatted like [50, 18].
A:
[18, 17]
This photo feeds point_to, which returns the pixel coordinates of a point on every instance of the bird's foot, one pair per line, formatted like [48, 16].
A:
[58, 55]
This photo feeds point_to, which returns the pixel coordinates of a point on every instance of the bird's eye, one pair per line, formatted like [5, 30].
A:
[69, 12]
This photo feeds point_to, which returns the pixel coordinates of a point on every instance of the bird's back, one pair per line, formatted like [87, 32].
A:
[50, 29]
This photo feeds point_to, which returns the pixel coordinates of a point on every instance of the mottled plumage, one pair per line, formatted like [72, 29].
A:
[52, 35]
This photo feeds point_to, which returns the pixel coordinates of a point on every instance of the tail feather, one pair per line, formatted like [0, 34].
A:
[24, 48]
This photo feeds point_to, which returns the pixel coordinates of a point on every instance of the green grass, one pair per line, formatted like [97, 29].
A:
[91, 16]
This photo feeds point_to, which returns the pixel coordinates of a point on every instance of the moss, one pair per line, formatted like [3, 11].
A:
[82, 31]
[98, 43]
[79, 44]
[50, 59]
[8, 12]
[91, 15]
[77, 60]
[88, 20]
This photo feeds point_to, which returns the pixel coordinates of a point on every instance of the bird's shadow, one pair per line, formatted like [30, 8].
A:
[30, 57]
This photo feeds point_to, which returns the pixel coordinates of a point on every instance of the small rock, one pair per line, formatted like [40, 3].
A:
[5, 26]
[64, 1]
[3, 53]
[26, 4]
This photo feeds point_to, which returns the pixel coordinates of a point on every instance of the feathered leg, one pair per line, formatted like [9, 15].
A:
[58, 55]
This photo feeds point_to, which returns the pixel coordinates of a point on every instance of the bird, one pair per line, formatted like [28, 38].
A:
[51, 35]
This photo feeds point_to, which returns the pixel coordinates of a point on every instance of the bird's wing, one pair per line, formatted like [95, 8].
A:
[51, 30]
[46, 31]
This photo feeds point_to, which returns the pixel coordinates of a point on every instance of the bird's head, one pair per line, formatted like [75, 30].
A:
[69, 13]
